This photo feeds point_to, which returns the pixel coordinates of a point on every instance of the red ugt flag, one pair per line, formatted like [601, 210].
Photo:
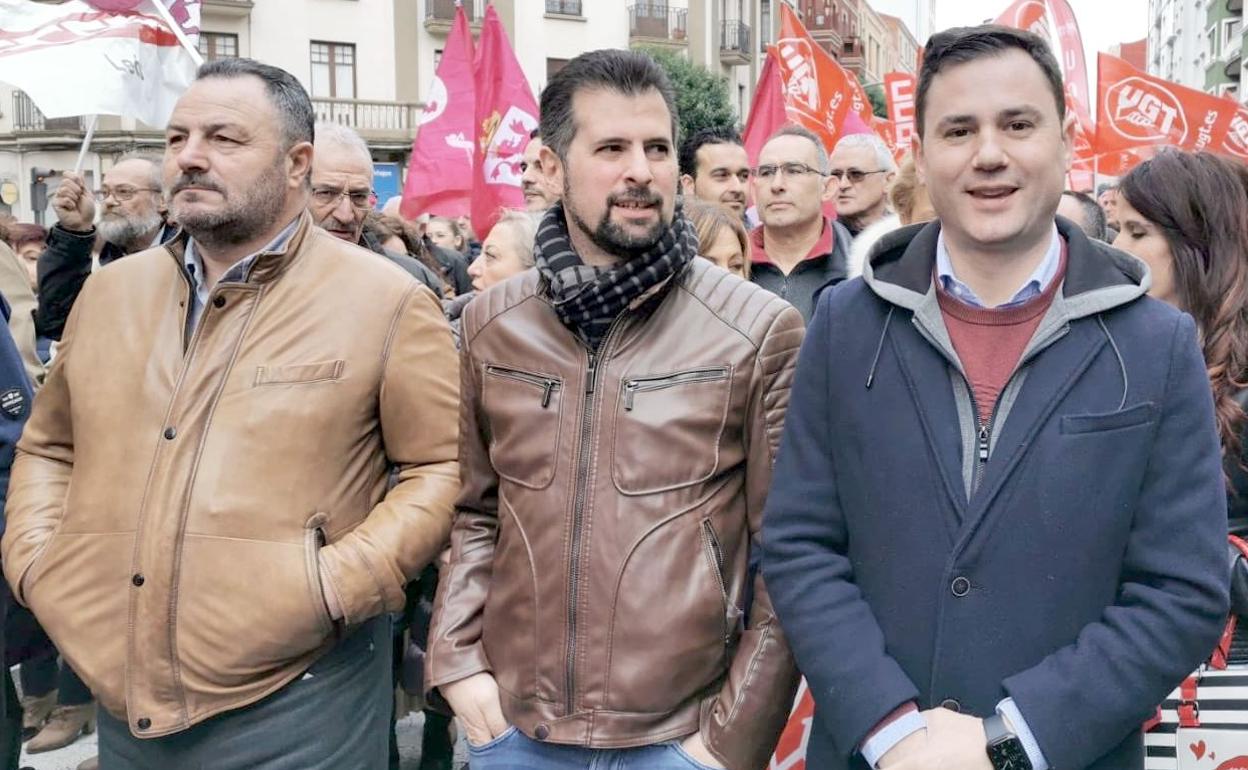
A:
[505, 115]
[767, 113]
[439, 175]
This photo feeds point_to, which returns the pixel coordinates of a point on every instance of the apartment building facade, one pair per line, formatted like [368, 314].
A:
[369, 64]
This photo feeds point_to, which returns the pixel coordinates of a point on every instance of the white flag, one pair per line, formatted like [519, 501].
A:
[73, 59]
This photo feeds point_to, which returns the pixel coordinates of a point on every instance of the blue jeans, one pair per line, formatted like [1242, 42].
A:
[513, 750]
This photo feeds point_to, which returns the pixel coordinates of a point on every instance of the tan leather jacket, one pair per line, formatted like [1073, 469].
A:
[599, 557]
[169, 501]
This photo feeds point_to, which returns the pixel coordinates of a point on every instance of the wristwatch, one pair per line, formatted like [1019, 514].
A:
[1005, 750]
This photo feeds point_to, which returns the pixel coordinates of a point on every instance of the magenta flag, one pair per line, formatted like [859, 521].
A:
[439, 174]
[506, 113]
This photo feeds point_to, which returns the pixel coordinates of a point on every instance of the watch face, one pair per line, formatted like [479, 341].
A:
[1009, 754]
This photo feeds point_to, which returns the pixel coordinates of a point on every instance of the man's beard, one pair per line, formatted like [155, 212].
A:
[242, 219]
[127, 231]
[611, 237]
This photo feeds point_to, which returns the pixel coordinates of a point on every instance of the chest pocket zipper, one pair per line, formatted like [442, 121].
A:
[635, 385]
[548, 385]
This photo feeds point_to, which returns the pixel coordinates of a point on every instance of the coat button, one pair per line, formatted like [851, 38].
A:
[218, 301]
[961, 587]
[952, 705]
[138, 580]
[542, 732]
[171, 433]
[143, 723]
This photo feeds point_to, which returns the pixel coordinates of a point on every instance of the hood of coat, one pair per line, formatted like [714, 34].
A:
[900, 267]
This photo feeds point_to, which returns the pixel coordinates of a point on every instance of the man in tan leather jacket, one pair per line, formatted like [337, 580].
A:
[199, 512]
[622, 404]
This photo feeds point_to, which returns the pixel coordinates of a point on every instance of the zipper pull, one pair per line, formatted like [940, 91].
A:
[592, 374]
[546, 391]
[983, 443]
[629, 390]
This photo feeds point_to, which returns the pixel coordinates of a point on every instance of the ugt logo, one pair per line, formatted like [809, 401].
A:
[1237, 135]
[1141, 110]
[801, 79]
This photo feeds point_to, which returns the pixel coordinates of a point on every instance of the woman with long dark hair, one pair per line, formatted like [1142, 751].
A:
[1186, 215]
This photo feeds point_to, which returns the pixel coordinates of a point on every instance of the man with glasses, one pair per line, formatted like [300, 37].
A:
[714, 168]
[342, 195]
[796, 251]
[132, 218]
[861, 170]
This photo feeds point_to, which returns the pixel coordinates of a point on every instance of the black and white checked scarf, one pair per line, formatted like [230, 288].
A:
[589, 298]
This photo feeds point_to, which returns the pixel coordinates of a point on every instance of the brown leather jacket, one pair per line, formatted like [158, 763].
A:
[599, 562]
[170, 500]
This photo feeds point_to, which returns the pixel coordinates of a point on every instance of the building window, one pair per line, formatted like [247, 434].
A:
[553, 66]
[1230, 32]
[1212, 40]
[764, 18]
[217, 45]
[333, 70]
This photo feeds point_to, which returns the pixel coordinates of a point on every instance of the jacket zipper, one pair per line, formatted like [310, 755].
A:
[715, 553]
[548, 385]
[578, 509]
[645, 384]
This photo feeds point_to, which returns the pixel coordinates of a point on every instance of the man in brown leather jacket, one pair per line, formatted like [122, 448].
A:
[622, 404]
[200, 514]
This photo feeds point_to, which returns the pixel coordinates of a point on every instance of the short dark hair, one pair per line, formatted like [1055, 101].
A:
[1094, 223]
[287, 94]
[966, 44]
[711, 135]
[631, 73]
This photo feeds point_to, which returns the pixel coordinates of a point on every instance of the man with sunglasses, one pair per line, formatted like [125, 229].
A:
[342, 195]
[861, 170]
[796, 252]
[132, 218]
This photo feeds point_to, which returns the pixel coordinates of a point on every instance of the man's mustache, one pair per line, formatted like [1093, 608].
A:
[200, 181]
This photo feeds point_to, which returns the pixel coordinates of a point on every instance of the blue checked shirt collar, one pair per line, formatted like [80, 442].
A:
[1032, 288]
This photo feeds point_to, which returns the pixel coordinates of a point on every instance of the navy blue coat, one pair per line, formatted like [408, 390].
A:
[1080, 571]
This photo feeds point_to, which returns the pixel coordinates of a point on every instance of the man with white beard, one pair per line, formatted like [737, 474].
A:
[131, 219]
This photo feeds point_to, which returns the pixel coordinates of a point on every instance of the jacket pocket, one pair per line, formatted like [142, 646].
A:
[524, 410]
[295, 374]
[679, 417]
[733, 618]
[1141, 414]
[313, 541]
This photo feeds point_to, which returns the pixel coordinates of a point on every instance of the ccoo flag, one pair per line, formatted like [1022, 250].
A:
[439, 176]
[506, 114]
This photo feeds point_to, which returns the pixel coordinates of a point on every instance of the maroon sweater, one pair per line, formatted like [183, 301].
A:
[990, 341]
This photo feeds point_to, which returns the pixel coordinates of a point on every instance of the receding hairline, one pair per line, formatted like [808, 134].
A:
[604, 88]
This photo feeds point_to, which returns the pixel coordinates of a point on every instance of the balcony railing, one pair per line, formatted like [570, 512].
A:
[366, 116]
[28, 118]
[734, 39]
[564, 7]
[444, 10]
[658, 21]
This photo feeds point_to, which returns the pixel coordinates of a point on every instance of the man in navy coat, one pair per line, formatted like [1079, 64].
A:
[996, 531]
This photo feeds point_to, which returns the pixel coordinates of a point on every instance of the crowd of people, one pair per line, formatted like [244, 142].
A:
[957, 445]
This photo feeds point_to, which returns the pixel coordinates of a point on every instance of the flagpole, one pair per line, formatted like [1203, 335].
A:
[177, 31]
[86, 143]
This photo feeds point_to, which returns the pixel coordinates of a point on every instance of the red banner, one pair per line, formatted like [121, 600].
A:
[817, 93]
[439, 175]
[1028, 15]
[791, 750]
[1138, 113]
[767, 112]
[505, 115]
[899, 91]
